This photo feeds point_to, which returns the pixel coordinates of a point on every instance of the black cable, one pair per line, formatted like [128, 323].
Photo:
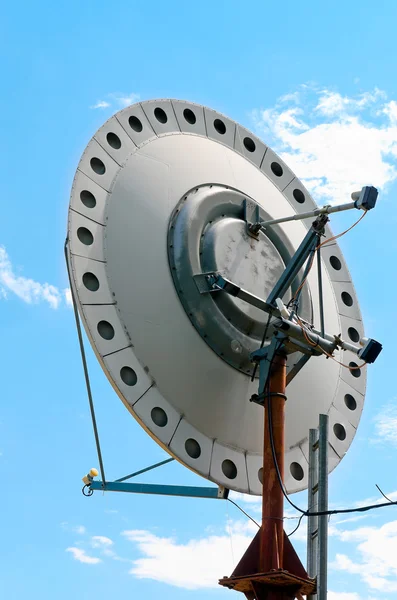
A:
[262, 344]
[86, 375]
[246, 514]
[308, 513]
[297, 527]
[384, 495]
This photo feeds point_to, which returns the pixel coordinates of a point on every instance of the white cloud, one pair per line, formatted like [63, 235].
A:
[30, 291]
[390, 110]
[81, 556]
[117, 99]
[334, 143]
[100, 104]
[104, 544]
[101, 541]
[68, 296]
[386, 424]
[376, 564]
[124, 100]
[198, 563]
[332, 103]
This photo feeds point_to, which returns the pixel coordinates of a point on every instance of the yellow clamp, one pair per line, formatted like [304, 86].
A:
[90, 476]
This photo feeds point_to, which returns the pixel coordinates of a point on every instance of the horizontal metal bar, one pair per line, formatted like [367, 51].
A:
[159, 489]
[325, 210]
[159, 464]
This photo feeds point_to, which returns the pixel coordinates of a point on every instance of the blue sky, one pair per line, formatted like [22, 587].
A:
[317, 83]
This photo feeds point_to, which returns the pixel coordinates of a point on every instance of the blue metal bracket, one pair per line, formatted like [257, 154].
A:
[219, 493]
[264, 356]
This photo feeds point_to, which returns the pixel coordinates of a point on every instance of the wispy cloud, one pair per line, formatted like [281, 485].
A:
[68, 296]
[28, 290]
[188, 565]
[374, 559]
[386, 424]
[79, 529]
[100, 104]
[104, 544]
[116, 100]
[81, 556]
[334, 143]
[334, 104]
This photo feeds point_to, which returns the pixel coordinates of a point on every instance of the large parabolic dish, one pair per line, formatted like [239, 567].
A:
[157, 200]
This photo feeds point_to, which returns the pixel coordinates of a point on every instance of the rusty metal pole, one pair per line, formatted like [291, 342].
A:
[270, 569]
[272, 538]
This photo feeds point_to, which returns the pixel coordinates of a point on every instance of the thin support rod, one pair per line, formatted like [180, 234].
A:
[322, 507]
[159, 464]
[320, 291]
[325, 210]
[272, 532]
[295, 303]
[312, 503]
[85, 368]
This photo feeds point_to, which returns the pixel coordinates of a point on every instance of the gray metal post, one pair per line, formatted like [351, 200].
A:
[312, 503]
[322, 506]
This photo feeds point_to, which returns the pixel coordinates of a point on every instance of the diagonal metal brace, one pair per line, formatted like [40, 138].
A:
[309, 243]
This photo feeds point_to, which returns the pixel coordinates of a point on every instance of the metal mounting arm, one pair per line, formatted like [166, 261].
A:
[364, 200]
[219, 493]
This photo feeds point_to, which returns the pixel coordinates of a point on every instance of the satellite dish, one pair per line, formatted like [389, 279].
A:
[160, 198]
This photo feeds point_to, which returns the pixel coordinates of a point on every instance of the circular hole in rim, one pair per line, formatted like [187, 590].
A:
[355, 371]
[91, 282]
[113, 140]
[220, 127]
[85, 236]
[128, 376]
[87, 199]
[277, 169]
[229, 469]
[97, 166]
[260, 475]
[160, 115]
[192, 448]
[296, 471]
[299, 196]
[335, 263]
[353, 334]
[189, 115]
[105, 330]
[339, 431]
[159, 416]
[249, 144]
[350, 402]
[347, 299]
[135, 124]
